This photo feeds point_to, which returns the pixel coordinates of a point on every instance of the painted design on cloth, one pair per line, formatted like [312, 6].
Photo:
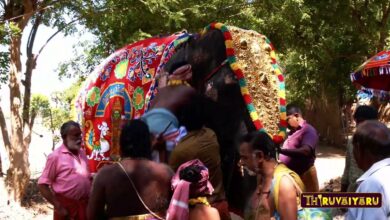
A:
[280, 132]
[142, 60]
[138, 98]
[170, 49]
[119, 89]
[93, 96]
[121, 69]
[114, 90]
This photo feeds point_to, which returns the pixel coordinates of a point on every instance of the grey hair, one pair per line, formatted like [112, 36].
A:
[66, 126]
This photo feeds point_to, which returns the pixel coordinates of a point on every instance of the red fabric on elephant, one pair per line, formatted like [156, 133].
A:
[118, 90]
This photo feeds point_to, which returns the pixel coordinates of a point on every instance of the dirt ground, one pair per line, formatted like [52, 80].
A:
[329, 163]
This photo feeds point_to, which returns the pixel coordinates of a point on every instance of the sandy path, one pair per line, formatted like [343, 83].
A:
[330, 163]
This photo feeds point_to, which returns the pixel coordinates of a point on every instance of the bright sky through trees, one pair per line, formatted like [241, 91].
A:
[45, 78]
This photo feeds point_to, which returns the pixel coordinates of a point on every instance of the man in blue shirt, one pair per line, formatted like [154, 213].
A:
[371, 149]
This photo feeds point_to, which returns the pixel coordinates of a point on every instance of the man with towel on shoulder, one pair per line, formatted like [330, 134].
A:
[174, 92]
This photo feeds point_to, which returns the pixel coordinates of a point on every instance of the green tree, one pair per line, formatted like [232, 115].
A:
[54, 116]
[121, 22]
[321, 43]
[14, 17]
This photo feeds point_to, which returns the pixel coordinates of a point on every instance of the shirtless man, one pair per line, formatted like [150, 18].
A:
[135, 186]
[164, 114]
[174, 90]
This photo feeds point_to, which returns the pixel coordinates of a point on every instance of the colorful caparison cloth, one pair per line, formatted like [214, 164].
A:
[178, 207]
[120, 89]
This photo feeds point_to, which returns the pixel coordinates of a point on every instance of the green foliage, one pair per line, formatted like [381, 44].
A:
[65, 99]
[4, 54]
[40, 105]
[319, 42]
[4, 67]
[322, 42]
[83, 62]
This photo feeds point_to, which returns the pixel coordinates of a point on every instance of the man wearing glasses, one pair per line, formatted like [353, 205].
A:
[298, 151]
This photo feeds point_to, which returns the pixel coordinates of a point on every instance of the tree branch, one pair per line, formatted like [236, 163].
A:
[52, 36]
[33, 116]
[4, 131]
[28, 12]
[356, 14]
[27, 138]
[383, 34]
[30, 65]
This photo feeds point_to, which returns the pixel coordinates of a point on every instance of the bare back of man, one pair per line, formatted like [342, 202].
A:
[113, 189]
[173, 97]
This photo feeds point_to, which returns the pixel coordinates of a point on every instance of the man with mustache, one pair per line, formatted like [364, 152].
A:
[299, 149]
[66, 181]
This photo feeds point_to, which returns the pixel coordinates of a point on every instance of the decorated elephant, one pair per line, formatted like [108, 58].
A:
[235, 69]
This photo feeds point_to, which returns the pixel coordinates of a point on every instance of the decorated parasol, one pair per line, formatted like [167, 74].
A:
[373, 76]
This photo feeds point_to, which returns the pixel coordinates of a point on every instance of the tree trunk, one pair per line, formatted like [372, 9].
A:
[384, 33]
[18, 174]
[4, 133]
[1, 167]
[324, 113]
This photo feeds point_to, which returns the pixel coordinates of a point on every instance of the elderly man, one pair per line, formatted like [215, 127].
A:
[351, 170]
[298, 152]
[371, 149]
[66, 180]
[135, 187]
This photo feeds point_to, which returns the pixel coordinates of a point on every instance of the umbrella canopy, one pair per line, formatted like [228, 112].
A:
[373, 76]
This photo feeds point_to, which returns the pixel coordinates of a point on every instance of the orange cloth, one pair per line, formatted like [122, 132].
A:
[77, 208]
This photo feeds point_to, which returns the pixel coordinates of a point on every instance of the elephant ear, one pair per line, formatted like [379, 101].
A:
[256, 57]
[252, 57]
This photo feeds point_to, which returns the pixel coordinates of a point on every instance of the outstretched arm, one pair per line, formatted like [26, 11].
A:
[303, 151]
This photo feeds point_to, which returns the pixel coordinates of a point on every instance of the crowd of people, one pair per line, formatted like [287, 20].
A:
[174, 177]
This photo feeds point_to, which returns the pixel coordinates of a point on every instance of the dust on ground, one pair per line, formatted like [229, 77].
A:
[330, 163]
[34, 206]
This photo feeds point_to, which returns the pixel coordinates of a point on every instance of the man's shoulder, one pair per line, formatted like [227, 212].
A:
[309, 128]
[158, 170]
[55, 153]
[108, 169]
[376, 182]
[160, 167]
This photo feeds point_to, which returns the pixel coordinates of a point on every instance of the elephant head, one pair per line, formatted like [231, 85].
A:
[217, 73]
